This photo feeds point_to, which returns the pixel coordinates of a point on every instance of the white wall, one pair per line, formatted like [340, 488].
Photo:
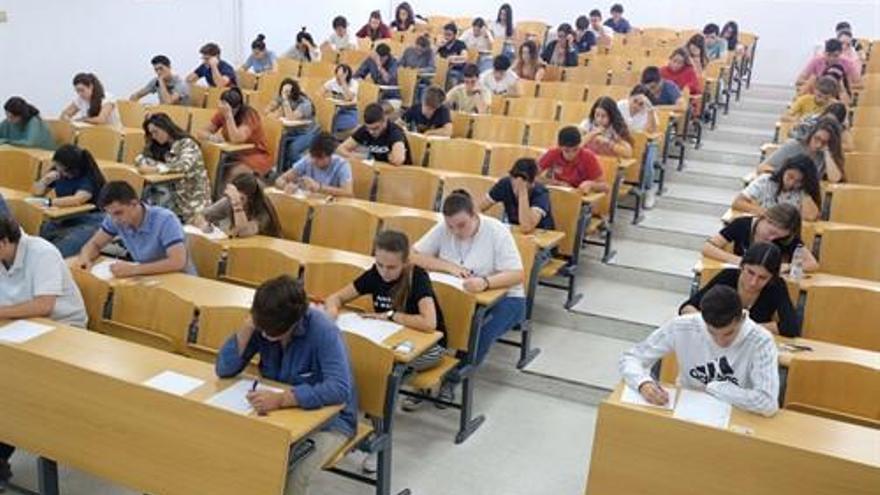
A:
[45, 42]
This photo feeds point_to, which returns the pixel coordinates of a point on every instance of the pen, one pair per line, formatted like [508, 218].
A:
[254, 386]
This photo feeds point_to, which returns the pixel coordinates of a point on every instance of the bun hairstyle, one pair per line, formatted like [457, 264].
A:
[259, 43]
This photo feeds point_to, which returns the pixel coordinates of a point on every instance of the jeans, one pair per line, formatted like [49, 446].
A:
[6, 451]
[648, 167]
[507, 313]
[70, 235]
[484, 63]
[300, 472]
[294, 144]
[346, 118]
[454, 76]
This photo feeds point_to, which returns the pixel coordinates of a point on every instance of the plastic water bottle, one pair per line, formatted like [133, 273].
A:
[797, 263]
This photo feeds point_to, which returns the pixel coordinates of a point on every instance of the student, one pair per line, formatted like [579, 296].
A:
[617, 22]
[303, 348]
[322, 171]
[260, 60]
[292, 104]
[831, 56]
[844, 26]
[761, 291]
[478, 38]
[822, 145]
[526, 203]
[696, 47]
[217, 72]
[305, 49]
[500, 80]
[720, 351]
[838, 74]
[562, 50]
[836, 111]
[529, 65]
[243, 211]
[469, 96]
[795, 183]
[168, 149]
[385, 141]
[24, 127]
[169, 88]
[570, 164]
[605, 130]
[404, 18]
[604, 34]
[826, 91]
[374, 29]
[76, 180]
[339, 39]
[849, 52]
[91, 105]
[343, 87]
[481, 251]
[585, 39]
[380, 66]
[240, 124]
[454, 50]
[503, 25]
[431, 117]
[419, 56]
[663, 91]
[780, 224]
[152, 235]
[716, 46]
[680, 70]
[730, 33]
[638, 112]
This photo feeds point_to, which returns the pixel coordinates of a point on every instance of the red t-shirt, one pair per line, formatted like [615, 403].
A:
[257, 158]
[585, 166]
[685, 78]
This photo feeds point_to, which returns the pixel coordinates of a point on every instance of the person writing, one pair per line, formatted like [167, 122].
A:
[243, 211]
[322, 171]
[431, 117]
[168, 86]
[526, 203]
[385, 141]
[569, 164]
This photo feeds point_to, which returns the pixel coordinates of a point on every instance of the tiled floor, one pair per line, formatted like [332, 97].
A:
[611, 299]
[719, 169]
[677, 221]
[653, 257]
[699, 194]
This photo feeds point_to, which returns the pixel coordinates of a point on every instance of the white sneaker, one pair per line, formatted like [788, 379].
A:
[650, 199]
[368, 466]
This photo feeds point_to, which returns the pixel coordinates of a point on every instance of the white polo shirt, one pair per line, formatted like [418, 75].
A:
[39, 270]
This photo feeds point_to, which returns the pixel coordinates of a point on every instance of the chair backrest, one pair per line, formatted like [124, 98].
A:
[131, 113]
[118, 171]
[458, 309]
[814, 387]
[95, 293]
[851, 252]
[104, 142]
[18, 169]
[199, 118]
[28, 216]
[212, 97]
[288, 67]
[322, 279]
[324, 70]
[407, 79]
[353, 58]
[367, 93]
[626, 78]
[253, 265]
[177, 113]
[543, 133]
[565, 91]
[371, 365]
[408, 186]
[640, 149]
[215, 325]
[246, 79]
[150, 315]
[502, 157]
[499, 129]
[594, 76]
[205, 255]
[573, 112]
[132, 145]
[566, 204]
[532, 108]
[441, 72]
[418, 147]
[866, 139]
[61, 131]
[293, 214]
[616, 93]
[197, 95]
[363, 179]
[461, 124]
[477, 186]
[855, 205]
[460, 155]
[609, 174]
[528, 250]
[862, 169]
[843, 315]
[345, 227]
[866, 116]
[273, 131]
[413, 226]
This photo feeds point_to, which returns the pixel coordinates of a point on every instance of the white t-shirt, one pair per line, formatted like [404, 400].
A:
[637, 122]
[606, 30]
[502, 87]
[340, 42]
[499, 30]
[490, 251]
[744, 374]
[82, 109]
[39, 270]
[482, 43]
[334, 87]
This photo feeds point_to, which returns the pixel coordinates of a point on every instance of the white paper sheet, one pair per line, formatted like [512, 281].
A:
[234, 398]
[630, 396]
[21, 331]
[375, 330]
[174, 383]
[214, 235]
[702, 408]
[445, 278]
[102, 270]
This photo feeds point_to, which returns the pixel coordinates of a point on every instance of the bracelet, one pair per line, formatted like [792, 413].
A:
[49, 201]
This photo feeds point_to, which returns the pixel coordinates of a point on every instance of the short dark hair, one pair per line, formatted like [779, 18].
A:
[640, 89]
[524, 168]
[323, 144]
[117, 191]
[617, 8]
[711, 28]
[393, 242]
[478, 22]
[458, 201]
[383, 50]
[651, 74]
[340, 21]
[833, 45]
[210, 49]
[569, 137]
[565, 28]
[764, 254]
[842, 25]
[721, 306]
[10, 231]
[500, 63]
[470, 70]
[596, 13]
[373, 113]
[279, 304]
[451, 27]
[582, 22]
[160, 60]
[434, 96]
[376, 14]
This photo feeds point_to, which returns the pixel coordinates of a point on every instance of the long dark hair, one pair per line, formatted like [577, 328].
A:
[79, 162]
[410, 18]
[397, 242]
[257, 202]
[763, 254]
[732, 41]
[684, 54]
[153, 149]
[834, 130]
[20, 108]
[97, 99]
[699, 41]
[807, 168]
[618, 124]
[508, 24]
[536, 57]
[235, 99]
[304, 35]
[295, 90]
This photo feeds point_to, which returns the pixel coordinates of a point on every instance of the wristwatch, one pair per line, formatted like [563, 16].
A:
[389, 315]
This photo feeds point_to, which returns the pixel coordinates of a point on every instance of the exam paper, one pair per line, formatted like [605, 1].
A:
[445, 278]
[21, 331]
[174, 383]
[215, 235]
[702, 408]
[102, 270]
[375, 330]
[630, 396]
[234, 398]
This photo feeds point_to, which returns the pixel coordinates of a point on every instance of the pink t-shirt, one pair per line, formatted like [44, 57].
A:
[818, 64]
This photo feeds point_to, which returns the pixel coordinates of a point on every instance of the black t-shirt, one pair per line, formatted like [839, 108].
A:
[454, 48]
[739, 232]
[414, 117]
[539, 197]
[773, 300]
[380, 147]
[372, 283]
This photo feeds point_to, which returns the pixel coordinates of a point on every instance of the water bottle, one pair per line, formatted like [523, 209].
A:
[797, 263]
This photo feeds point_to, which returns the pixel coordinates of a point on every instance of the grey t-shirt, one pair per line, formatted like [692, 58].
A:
[793, 148]
[763, 191]
[175, 85]
[303, 105]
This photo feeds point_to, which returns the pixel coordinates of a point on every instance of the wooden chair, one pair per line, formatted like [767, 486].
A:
[198, 95]
[322, 279]
[408, 186]
[151, 316]
[866, 139]
[853, 204]
[18, 169]
[850, 251]
[214, 325]
[212, 97]
[498, 129]
[246, 79]
[573, 112]
[413, 226]
[866, 116]
[293, 214]
[461, 124]
[407, 80]
[253, 265]
[205, 255]
[288, 67]
[616, 93]
[564, 91]
[131, 113]
[441, 72]
[367, 93]
[353, 58]
[528, 89]
[625, 78]
[105, 143]
[814, 387]
[133, 141]
[345, 227]
[532, 108]
[586, 75]
[570, 216]
[459, 155]
[95, 293]
[321, 70]
[543, 133]
[532, 29]
[178, 114]
[502, 157]
[842, 314]
[477, 186]
[61, 131]
[418, 147]
[274, 131]
[363, 179]
[125, 173]
[29, 217]
[199, 118]
[862, 169]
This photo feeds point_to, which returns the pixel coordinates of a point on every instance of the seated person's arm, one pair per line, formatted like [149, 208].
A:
[237, 352]
[809, 210]
[175, 261]
[68, 112]
[103, 116]
[336, 386]
[398, 153]
[486, 202]
[832, 171]
[137, 95]
[539, 74]
[445, 131]
[338, 299]
[435, 264]
[237, 133]
[743, 202]
[288, 177]
[345, 189]
[81, 197]
[424, 321]
[766, 167]
[810, 263]
[545, 178]
[92, 248]
[459, 59]
[622, 149]
[348, 148]
[207, 132]
[762, 398]
[636, 363]
[714, 248]
[192, 77]
[515, 89]
[38, 307]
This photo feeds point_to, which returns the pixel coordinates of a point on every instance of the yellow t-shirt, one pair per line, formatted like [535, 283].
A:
[805, 105]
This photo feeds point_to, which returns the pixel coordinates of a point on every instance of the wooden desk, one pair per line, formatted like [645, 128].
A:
[342, 103]
[825, 351]
[200, 291]
[50, 212]
[641, 450]
[295, 124]
[305, 253]
[77, 397]
[148, 178]
[230, 147]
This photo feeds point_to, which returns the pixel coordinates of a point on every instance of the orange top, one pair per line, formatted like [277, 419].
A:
[257, 158]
